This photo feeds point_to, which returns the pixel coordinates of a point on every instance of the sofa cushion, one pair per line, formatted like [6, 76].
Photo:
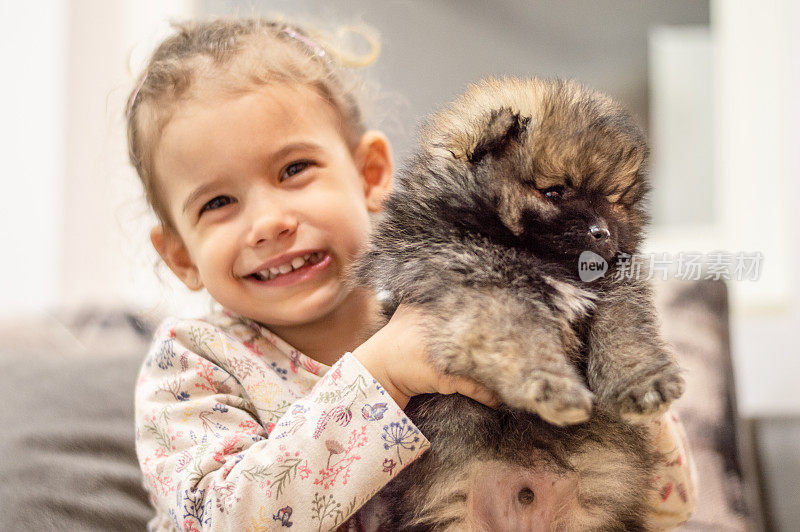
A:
[67, 458]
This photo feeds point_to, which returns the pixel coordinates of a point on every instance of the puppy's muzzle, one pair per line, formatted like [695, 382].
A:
[600, 240]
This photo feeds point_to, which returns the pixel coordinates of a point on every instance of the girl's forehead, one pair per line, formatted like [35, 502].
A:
[219, 124]
[271, 99]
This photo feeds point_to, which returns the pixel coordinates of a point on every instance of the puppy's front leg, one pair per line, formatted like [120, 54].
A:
[630, 368]
[512, 346]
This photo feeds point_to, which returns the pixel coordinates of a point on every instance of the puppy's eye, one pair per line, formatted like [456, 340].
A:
[554, 193]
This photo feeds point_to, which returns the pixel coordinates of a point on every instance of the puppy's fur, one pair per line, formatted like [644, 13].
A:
[483, 230]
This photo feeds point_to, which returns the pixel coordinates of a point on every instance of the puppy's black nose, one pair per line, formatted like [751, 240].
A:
[599, 232]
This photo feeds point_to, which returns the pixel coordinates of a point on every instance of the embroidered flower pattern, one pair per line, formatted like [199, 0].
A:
[399, 435]
[308, 439]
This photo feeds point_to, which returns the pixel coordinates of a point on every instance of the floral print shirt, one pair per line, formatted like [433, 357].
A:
[237, 430]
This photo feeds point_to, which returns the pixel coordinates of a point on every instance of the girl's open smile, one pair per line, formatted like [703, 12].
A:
[298, 270]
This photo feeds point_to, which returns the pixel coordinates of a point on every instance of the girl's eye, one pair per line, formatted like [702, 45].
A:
[216, 203]
[294, 168]
[554, 193]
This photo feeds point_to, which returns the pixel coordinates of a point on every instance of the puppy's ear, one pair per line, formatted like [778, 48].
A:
[504, 128]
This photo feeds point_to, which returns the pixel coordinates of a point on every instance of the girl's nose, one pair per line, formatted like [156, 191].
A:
[270, 223]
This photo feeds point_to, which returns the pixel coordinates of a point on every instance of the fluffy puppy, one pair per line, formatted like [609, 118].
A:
[484, 231]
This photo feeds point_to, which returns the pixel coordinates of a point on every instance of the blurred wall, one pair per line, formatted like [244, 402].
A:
[432, 49]
[33, 107]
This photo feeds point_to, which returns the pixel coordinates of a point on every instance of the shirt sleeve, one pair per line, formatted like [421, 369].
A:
[672, 501]
[208, 461]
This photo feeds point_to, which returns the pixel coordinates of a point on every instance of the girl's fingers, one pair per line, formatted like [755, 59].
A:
[470, 388]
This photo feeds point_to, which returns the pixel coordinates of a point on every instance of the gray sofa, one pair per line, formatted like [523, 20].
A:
[67, 457]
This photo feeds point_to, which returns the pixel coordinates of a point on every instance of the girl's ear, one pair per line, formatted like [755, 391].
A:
[174, 253]
[373, 158]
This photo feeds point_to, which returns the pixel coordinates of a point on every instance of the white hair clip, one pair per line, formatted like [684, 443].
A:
[310, 43]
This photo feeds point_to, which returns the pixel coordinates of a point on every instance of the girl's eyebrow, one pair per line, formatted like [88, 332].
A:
[278, 154]
[196, 193]
[293, 146]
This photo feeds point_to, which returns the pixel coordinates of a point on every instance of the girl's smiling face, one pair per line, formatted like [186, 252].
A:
[252, 181]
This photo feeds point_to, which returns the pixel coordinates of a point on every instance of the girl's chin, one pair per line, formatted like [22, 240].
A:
[305, 310]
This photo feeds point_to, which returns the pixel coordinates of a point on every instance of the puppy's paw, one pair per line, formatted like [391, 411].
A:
[560, 400]
[651, 396]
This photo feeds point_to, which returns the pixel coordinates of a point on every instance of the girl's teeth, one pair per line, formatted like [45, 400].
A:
[296, 263]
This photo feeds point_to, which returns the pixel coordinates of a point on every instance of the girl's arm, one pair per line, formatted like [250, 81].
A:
[673, 499]
[209, 462]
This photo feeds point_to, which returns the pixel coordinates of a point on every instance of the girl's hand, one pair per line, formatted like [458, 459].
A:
[397, 356]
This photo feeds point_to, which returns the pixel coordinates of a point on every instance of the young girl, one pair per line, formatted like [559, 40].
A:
[281, 408]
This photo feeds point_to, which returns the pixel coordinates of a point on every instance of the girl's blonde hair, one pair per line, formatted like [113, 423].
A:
[236, 55]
